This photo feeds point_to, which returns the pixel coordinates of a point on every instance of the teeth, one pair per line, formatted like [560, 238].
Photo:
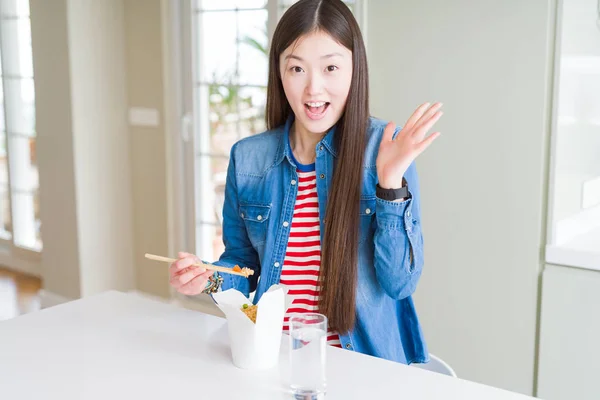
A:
[319, 104]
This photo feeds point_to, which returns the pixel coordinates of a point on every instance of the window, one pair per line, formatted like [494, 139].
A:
[229, 57]
[19, 194]
[574, 195]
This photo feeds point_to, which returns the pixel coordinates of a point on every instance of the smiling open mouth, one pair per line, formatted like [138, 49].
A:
[316, 110]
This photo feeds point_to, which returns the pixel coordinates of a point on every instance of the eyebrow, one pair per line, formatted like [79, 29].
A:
[323, 57]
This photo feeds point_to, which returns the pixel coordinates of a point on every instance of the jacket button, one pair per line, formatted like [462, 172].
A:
[348, 346]
[242, 215]
[368, 211]
[408, 213]
[276, 265]
[285, 223]
[259, 218]
[321, 148]
[293, 182]
[322, 176]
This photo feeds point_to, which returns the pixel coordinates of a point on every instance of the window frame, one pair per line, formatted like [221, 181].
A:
[181, 40]
[13, 254]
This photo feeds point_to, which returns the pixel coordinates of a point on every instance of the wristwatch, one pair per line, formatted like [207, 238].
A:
[392, 194]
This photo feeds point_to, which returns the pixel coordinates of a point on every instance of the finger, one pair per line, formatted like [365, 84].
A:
[185, 262]
[180, 278]
[428, 115]
[427, 142]
[196, 269]
[188, 290]
[388, 132]
[174, 272]
[203, 272]
[174, 281]
[206, 274]
[183, 254]
[416, 115]
[186, 277]
[195, 286]
[422, 130]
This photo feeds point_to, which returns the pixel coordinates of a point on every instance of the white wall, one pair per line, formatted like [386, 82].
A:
[144, 59]
[483, 180]
[569, 345]
[101, 144]
[60, 257]
[84, 150]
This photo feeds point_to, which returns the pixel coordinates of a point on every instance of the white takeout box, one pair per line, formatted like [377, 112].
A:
[255, 346]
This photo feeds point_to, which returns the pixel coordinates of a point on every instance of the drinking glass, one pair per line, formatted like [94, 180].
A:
[308, 338]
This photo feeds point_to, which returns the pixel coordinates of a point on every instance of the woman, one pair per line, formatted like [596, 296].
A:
[326, 201]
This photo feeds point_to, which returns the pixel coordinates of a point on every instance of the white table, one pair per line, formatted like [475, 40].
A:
[123, 346]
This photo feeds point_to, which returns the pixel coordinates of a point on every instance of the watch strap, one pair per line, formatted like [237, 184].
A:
[392, 194]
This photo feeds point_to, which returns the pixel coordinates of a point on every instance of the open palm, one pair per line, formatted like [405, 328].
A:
[397, 153]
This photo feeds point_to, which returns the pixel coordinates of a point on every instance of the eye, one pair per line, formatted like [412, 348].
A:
[296, 69]
[331, 68]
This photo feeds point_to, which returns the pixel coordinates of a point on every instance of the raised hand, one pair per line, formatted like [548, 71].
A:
[396, 154]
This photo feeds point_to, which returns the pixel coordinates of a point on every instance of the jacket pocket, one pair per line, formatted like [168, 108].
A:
[367, 218]
[256, 218]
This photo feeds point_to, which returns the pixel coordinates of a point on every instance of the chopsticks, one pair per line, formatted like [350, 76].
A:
[245, 272]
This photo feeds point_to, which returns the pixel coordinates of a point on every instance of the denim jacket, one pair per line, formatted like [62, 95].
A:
[259, 202]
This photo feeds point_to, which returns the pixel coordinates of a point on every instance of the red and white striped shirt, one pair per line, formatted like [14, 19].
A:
[300, 271]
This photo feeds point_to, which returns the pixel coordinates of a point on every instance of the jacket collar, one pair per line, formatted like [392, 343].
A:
[283, 150]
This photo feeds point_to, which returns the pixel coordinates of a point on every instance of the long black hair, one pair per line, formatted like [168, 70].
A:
[338, 272]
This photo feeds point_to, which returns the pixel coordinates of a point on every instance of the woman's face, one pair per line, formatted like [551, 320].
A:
[316, 72]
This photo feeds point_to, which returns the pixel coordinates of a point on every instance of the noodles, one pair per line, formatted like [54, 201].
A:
[250, 311]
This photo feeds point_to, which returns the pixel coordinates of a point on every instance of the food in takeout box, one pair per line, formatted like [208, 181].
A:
[254, 331]
[250, 311]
